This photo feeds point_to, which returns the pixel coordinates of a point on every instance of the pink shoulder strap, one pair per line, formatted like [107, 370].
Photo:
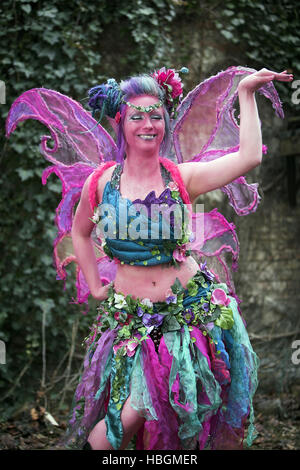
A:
[94, 183]
[173, 170]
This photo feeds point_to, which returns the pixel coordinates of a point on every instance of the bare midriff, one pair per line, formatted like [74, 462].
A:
[153, 282]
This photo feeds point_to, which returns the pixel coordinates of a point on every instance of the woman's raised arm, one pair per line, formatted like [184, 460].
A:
[202, 177]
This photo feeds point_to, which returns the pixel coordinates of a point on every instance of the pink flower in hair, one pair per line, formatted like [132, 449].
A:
[170, 81]
[219, 297]
[118, 117]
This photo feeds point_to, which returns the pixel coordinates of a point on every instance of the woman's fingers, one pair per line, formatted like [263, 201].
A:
[257, 79]
[282, 76]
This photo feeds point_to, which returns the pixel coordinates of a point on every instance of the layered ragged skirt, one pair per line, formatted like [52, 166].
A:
[186, 363]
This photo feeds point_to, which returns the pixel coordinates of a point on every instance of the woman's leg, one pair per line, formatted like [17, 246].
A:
[131, 421]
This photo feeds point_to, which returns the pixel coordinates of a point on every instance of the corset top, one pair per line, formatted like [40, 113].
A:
[142, 232]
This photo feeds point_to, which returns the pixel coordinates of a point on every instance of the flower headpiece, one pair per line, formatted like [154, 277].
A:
[107, 98]
[169, 80]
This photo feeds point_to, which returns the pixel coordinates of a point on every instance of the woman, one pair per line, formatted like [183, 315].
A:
[178, 386]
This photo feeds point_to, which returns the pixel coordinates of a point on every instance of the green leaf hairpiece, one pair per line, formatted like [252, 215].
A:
[144, 109]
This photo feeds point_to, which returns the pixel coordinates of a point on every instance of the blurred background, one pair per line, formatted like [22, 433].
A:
[70, 47]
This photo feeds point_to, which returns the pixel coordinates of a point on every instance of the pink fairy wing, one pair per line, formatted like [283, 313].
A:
[215, 240]
[80, 147]
[107, 269]
[77, 136]
[72, 178]
[206, 129]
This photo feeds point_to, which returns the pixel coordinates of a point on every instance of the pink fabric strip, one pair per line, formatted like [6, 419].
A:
[162, 434]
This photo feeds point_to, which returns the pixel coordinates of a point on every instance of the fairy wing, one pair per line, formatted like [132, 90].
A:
[76, 135]
[206, 129]
[216, 244]
[80, 146]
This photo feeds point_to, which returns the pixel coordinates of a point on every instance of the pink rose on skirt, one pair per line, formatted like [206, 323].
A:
[219, 297]
[104, 280]
[130, 346]
[179, 253]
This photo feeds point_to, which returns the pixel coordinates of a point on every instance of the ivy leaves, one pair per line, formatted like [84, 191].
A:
[269, 43]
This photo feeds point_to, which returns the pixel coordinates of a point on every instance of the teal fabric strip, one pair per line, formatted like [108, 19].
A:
[140, 398]
[209, 385]
[192, 375]
[236, 350]
[119, 391]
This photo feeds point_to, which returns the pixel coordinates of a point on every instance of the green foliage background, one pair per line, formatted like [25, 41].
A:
[71, 46]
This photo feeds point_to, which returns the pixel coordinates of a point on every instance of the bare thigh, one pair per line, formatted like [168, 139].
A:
[131, 421]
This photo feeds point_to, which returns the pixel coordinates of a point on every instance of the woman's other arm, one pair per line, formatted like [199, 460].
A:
[81, 236]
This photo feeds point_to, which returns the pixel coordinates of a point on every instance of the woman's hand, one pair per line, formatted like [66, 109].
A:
[102, 292]
[256, 80]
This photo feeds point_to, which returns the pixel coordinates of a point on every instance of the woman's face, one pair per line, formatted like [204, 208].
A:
[143, 131]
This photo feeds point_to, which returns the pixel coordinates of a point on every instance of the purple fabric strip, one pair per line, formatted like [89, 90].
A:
[91, 378]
